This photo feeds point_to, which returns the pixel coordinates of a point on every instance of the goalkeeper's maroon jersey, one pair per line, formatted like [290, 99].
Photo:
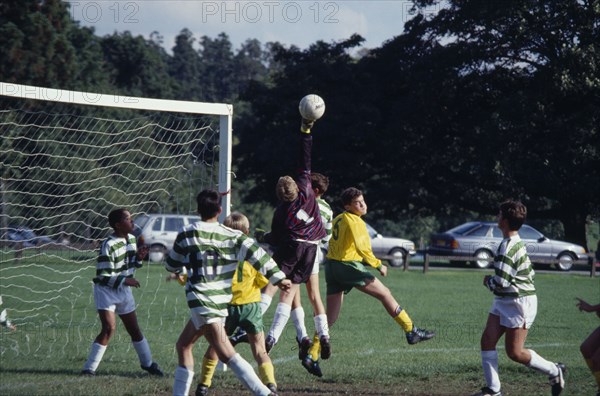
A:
[301, 218]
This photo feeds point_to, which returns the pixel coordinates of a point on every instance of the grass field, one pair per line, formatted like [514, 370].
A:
[51, 303]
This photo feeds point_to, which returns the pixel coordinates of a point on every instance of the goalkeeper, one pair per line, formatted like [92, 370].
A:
[296, 232]
[349, 248]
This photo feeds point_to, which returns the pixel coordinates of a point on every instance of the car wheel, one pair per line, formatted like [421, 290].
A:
[483, 258]
[157, 253]
[399, 257]
[565, 261]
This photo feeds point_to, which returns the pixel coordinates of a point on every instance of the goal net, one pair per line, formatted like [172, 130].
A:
[67, 158]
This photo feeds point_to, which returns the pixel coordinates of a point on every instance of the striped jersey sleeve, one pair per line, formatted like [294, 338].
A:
[213, 252]
[116, 261]
[513, 271]
[326, 218]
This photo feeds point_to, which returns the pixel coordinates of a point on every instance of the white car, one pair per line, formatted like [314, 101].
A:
[159, 231]
[394, 250]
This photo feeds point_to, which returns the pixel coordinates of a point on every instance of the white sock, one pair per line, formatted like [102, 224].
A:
[321, 325]
[297, 316]
[95, 357]
[282, 315]
[489, 362]
[265, 302]
[245, 373]
[542, 365]
[143, 350]
[183, 381]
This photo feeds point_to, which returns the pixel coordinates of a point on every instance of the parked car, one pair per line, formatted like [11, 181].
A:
[394, 250]
[481, 239]
[26, 236]
[159, 231]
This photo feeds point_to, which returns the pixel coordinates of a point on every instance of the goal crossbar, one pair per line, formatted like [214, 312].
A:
[224, 111]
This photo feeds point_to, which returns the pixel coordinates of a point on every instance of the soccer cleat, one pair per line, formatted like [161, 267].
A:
[325, 347]
[269, 343]
[303, 347]
[273, 388]
[485, 391]
[153, 369]
[418, 335]
[312, 366]
[201, 390]
[89, 373]
[558, 381]
[238, 337]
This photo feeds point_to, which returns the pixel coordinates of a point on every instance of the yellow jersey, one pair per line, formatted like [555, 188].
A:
[350, 241]
[246, 284]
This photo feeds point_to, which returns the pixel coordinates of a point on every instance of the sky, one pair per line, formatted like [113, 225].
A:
[300, 22]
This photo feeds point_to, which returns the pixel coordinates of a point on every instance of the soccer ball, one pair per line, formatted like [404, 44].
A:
[312, 107]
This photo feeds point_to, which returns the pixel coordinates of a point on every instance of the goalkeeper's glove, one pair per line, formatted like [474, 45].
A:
[259, 235]
[306, 125]
[490, 283]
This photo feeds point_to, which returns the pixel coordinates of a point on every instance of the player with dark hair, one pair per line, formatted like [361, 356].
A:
[515, 306]
[119, 257]
[244, 313]
[349, 251]
[213, 252]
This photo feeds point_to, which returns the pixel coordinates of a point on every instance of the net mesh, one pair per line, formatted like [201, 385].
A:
[63, 168]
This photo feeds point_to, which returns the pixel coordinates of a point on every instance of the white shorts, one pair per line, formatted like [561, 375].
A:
[515, 312]
[318, 258]
[118, 300]
[200, 320]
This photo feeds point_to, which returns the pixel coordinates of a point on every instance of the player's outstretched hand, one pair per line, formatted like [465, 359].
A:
[306, 125]
[142, 252]
[132, 282]
[284, 284]
[383, 270]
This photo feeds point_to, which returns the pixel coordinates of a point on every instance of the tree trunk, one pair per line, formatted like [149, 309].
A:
[575, 228]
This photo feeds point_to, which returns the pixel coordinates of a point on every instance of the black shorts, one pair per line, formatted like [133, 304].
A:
[296, 260]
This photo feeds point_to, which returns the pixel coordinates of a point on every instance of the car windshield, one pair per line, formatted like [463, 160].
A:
[141, 220]
[462, 229]
[371, 231]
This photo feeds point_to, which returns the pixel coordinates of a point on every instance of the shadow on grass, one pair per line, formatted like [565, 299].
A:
[77, 373]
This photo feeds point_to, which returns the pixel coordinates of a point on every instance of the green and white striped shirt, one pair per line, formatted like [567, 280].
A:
[212, 253]
[116, 261]
[513, 270]
[326, 218]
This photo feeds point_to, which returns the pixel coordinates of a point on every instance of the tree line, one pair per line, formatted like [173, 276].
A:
[477, 103]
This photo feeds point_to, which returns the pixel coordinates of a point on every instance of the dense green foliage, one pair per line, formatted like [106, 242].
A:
[479, 102]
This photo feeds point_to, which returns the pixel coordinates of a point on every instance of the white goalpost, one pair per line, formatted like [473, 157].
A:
[66, 159]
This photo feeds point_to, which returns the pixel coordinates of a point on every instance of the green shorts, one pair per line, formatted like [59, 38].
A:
[342, 276]
[247, 317]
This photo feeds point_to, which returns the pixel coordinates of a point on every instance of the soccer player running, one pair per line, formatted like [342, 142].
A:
[296, 231]
[349, 251]
[213, 252]
[515, 306]
[115, 269]
[590, 348]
